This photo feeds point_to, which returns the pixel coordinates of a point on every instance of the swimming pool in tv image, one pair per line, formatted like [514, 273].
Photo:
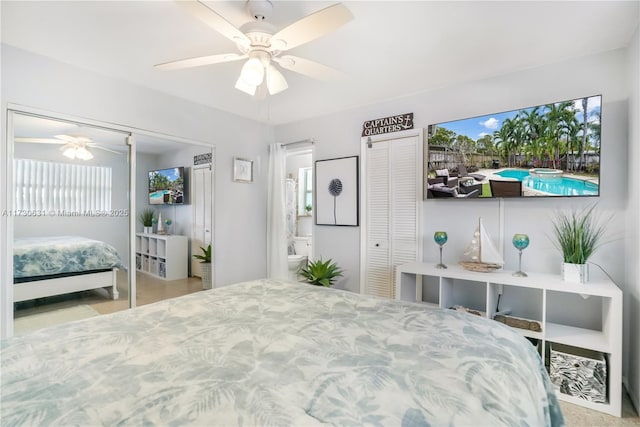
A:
[552, 185]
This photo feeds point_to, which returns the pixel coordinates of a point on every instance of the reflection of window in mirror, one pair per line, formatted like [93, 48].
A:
[305, 191]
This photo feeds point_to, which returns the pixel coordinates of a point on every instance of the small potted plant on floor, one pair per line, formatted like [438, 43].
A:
[205, 258]
[146, 218]
[578, 235]
[321, 273]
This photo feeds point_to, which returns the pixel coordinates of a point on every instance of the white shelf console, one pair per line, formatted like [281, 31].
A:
[162, 256]
[541, 297]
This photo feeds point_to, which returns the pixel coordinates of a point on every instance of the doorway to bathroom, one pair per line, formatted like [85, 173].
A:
[300, 209]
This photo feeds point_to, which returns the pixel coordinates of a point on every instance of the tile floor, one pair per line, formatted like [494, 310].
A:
[149, 290]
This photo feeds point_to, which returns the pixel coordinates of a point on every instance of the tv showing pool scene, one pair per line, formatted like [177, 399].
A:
[550, 150]
[166, 186]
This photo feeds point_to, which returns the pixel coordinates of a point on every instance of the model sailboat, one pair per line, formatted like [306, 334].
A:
[481, 254]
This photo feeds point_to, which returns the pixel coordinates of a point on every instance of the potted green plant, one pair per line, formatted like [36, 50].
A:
[321, 273]
[578, 234]
[308, 209]
[205, 258]
[146, 218]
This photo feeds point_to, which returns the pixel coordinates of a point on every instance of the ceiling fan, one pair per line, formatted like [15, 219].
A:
[263, 45]
[74, 147]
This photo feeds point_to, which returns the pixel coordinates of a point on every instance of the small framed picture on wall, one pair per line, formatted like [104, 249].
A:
[242, 170]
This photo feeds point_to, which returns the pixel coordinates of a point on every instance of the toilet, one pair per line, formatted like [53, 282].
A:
[299, 259]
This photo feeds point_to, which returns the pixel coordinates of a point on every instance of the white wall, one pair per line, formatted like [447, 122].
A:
[338, 135]
[240, 223]
[632, 248]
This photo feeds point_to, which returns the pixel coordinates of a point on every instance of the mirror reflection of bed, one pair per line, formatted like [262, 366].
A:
[69, 258]
[71, 231]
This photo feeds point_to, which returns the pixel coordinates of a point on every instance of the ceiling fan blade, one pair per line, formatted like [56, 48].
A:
[214, 20]
[276, 82]
[38, 140]
[68, 138]
[308, 68]
[200, 61]
[81, 139]
[311, 27]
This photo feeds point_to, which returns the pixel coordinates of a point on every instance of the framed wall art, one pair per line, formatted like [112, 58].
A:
[242, 170]
[337, 192]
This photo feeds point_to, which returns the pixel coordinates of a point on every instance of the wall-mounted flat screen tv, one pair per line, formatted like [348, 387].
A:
[550, 150]
[166, 186]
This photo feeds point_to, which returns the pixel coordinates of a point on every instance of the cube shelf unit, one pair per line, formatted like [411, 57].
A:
[540, 297]
[162, 256]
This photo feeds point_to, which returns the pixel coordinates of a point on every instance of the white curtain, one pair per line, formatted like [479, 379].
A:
[277, 267]
[67, 187]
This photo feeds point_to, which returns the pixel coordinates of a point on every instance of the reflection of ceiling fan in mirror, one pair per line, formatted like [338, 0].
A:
[263, 46]
[74, 147]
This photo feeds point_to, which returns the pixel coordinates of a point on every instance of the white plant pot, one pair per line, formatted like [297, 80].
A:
[148, 230]
[575, 273]
[207, 282]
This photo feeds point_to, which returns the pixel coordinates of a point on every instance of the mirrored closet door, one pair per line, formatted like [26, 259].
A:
[174, 212]
[70, 220]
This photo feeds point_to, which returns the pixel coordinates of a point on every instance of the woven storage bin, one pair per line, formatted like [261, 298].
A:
[579, 372]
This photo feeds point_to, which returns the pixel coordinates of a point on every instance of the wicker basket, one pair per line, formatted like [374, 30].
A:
[480, 266]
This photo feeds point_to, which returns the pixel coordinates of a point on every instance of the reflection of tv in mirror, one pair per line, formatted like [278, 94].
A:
[166, 186]
[551, 150]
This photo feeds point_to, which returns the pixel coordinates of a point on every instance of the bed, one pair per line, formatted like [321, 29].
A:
[275, 353]
[47, 266]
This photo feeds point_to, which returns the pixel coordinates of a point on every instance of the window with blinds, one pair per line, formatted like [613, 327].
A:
[47, 186]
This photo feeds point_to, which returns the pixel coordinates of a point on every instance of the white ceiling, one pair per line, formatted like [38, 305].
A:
[27, 126]
[390, 49]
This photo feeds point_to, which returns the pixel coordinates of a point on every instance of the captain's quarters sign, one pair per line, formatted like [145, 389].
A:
[388, 124]
[202, 159]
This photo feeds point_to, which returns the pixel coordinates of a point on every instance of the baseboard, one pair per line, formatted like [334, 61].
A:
[634, 398]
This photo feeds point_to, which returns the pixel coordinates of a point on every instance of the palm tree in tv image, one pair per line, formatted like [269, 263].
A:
[503, 139]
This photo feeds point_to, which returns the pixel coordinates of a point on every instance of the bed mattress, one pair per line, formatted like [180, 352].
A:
[275, 353]
[39, 258]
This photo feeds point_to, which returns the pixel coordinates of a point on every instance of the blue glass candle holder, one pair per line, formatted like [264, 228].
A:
[520, 242]
[440, 238]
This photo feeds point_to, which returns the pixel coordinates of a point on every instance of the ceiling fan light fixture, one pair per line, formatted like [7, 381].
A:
[252, 72]
[276, 82]
[246, 88]
[83, 154]
[69, 151]
[74, 150]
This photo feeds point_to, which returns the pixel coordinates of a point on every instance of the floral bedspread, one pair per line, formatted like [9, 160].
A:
[275, 353]
[45, 256]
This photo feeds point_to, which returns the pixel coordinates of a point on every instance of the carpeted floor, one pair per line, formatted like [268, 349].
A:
[46, 319]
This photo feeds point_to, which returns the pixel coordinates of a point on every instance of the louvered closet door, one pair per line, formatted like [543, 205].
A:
[404, 204]
[377, 271]
[392, 211]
